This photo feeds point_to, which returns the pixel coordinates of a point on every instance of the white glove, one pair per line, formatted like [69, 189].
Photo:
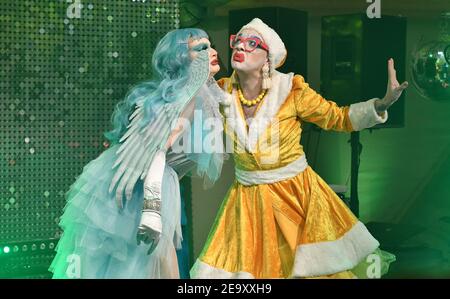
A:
[150, 228]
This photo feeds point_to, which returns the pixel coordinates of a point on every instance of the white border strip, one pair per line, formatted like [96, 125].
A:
[331, 257]
[363, 115]
[315, 259]
[258, 177]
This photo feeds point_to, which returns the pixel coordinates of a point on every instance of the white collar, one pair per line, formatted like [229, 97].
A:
[281, 87]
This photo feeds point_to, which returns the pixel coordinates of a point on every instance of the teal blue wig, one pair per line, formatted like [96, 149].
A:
[170, 63]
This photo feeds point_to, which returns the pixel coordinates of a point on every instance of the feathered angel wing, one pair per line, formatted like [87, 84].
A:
[139, 144]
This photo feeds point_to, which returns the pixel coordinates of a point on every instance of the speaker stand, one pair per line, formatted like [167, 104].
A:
[356, 148]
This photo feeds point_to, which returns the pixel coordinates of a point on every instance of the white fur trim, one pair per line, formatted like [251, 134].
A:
[205, 271]
[235, 121]
[316, 259]
[363, 115]
[248, 178]
[281, 87]
[331, 257]
[275, 97]
[227, 100]
[277, 49]
[226, 111]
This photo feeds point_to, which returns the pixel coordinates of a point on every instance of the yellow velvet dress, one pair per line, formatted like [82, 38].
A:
[296, 227]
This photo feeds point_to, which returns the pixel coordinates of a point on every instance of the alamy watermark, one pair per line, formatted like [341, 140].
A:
[205, 135]
[74, 266]
[374, 9]
[374, 268]
[74, 9]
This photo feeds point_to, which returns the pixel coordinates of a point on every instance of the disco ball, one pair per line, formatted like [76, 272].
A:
[430, 70]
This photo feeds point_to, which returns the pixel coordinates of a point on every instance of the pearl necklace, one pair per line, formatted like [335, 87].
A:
[250, 102]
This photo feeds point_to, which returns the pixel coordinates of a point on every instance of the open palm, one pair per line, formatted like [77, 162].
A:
[394, 89]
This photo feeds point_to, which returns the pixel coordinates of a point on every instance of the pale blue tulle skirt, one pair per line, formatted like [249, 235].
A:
[99, 239]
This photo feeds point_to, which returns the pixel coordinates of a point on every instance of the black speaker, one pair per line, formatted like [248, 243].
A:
[291, 26]
[355, 51]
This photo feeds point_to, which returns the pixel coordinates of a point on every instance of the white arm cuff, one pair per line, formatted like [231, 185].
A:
[363, 115]
[151, 220]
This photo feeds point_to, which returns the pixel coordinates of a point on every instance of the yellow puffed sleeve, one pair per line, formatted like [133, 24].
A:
[312, 107]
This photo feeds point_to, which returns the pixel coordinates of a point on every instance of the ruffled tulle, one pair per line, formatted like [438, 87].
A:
[99, 239]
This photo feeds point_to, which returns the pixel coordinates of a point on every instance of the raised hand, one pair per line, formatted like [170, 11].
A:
[394, 89]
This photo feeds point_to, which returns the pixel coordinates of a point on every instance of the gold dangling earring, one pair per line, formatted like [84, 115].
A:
[266, 81]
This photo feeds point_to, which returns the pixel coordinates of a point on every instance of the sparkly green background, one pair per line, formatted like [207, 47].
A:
[62, 69]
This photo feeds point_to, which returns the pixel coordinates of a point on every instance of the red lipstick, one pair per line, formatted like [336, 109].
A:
[239, 57]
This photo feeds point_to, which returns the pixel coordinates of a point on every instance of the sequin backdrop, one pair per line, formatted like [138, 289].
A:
[64, 64]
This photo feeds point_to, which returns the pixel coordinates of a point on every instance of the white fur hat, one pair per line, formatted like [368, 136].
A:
[277, 50]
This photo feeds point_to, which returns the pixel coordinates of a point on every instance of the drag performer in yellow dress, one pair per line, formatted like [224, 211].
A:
[280, 219]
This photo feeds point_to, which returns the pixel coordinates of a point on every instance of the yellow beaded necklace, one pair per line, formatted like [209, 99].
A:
[250, 102]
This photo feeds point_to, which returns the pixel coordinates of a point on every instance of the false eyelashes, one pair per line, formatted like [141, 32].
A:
[201, 47]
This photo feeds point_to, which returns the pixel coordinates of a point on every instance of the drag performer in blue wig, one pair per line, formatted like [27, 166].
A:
[122, 218]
